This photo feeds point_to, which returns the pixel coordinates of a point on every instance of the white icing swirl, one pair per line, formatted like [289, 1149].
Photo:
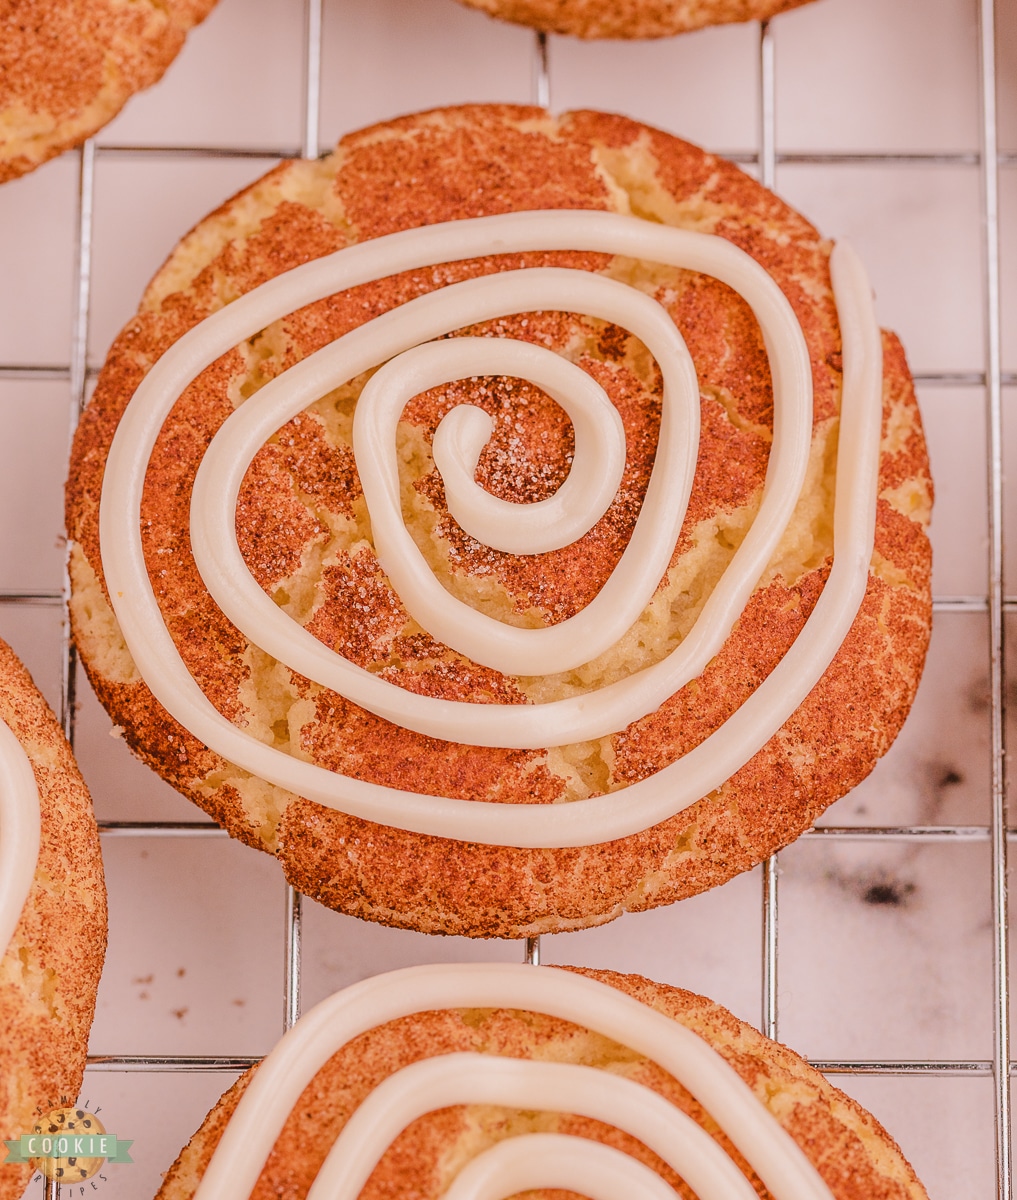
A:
[391, 335]
[19, 832]
[467, 1078]
[551, 1160]
[575, 507]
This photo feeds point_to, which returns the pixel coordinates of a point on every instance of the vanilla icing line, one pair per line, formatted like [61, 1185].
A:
[532, 1086]
[19, 832]
[646, 557]
[598, 460]
[435, 1083]
[582, 822]
[548, 1160]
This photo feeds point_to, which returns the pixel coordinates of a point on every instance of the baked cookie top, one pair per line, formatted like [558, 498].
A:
[49, 970]
[630, 18]
[306, 535]
[67, 67]
[569, 1054]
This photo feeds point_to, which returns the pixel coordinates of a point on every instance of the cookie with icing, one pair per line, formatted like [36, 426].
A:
[52, 915]
[531, 741]
[422, 1083]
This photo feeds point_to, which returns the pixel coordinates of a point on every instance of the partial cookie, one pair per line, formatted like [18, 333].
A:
[630, 18]
[307, 537]
[578, 1078]
[49, 972]
[68, 67]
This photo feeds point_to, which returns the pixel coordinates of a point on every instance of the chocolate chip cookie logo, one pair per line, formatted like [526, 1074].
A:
[69, 1145]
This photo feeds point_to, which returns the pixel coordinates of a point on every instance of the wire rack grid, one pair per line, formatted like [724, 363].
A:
[985, 379]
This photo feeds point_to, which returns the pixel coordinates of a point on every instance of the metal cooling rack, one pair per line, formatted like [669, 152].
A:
[990, 377]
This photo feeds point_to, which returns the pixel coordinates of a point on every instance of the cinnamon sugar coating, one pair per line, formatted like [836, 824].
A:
[67, 67]
[856, 1157]
[50, 972]
[630, 18]
[305, 534]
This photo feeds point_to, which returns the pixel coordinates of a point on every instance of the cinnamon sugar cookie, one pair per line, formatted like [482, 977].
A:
[630, 18]
[67, 68]
[52, 919]
[625, 756]
[589, 1081]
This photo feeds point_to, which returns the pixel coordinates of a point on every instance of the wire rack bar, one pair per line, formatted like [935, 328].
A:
[924, 1067]
[170, 151]
[160, 829]
[541, 88]
[907, 833]
[541, 71]
[997, 681]
[541, 80]
[42, 598]
[962, 604]
[17, 372]
[948, 379]
[78, 372]
[83, 288]
[767, 156]
[312, 79]
[858, 833]
[134, 1063]
[311, 139]
[291, 965]
[842, 833]
[768, 177]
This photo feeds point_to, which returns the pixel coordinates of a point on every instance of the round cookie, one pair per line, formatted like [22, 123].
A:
[630, 18]
[854, 1156]
[67, 68]
[49, 973]
[305, 533]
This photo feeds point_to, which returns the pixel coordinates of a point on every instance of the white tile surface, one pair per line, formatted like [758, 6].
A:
[37, 218]
[864, 75]
[33, 415]
[388, 57]
[676, 84]
[885, 949]
[193, 965]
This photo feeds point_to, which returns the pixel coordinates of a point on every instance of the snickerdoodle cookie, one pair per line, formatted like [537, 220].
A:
[460, 1080]
[52, 915]
[508, 757]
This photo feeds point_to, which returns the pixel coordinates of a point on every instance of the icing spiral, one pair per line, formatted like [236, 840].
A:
[398, 338]
[19, 832]
[528, 1160]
